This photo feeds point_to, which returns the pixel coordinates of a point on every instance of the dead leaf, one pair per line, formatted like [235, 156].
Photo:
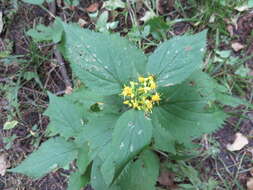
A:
[240, 142]
[230, 29]
[250, 184]
[82, 22]
[166, 178]
[92, 8]
[251, 172]
[68, 90]
[237, 46]
[212, 18]
[242, 8]
[59, 3]
[3, 165]
[148, 15]
[1, 22]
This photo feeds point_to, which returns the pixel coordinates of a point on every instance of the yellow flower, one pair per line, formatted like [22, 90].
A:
[136, 104]
[141, 95]
[148, 105]
[156, 97]
[132, 84]
[141, 79]
[152, 85]
[127, 91]
[126, 102]
[151, 78]
[144, 89]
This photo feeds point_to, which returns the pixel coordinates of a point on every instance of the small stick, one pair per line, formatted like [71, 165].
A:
[58, 56]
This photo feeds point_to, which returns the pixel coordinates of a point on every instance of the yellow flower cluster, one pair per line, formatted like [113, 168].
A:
[141, 95]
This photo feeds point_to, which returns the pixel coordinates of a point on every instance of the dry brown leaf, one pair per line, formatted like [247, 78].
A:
[82, 22]
[166, 178]
[230, 29]
[1, 22]
[242, 8]
[92, 8]
[237, 46]
[250, 184]
[68, 90]
[3, 165]
[148, 15]
[240, 142]
[59, 3]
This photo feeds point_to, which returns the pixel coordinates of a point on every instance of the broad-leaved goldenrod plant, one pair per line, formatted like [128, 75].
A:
[128, 106]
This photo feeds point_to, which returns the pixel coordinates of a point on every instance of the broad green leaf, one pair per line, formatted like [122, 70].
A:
[163, 140]
[103, 62]
[186, 114]
[52, 154]
[65, 116]
[142, 173]
[83, 159]
[98, 132]
[77, 181]
[176, 59]
[133, 131]
[85, 97]
[10, 124]
[97, 181]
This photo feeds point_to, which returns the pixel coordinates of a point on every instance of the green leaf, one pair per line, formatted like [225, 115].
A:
[186, 113]
[52, 154]
[142, 173]
[44, 33]
[242, 71]
[158, 26]
[10, 124]
[224, 96]
[103, 62]
[35, 2]
[98, 132]
[65, 116]
[32, 75]
[163, 140]
[77, 181]
[102, 21]
[97, 180]
[175, 60]
[85, 97]
[72, 2]
[133, 131]
[83, 159]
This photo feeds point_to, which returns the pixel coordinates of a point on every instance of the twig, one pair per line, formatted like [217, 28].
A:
[62, 67]
[58, 56]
